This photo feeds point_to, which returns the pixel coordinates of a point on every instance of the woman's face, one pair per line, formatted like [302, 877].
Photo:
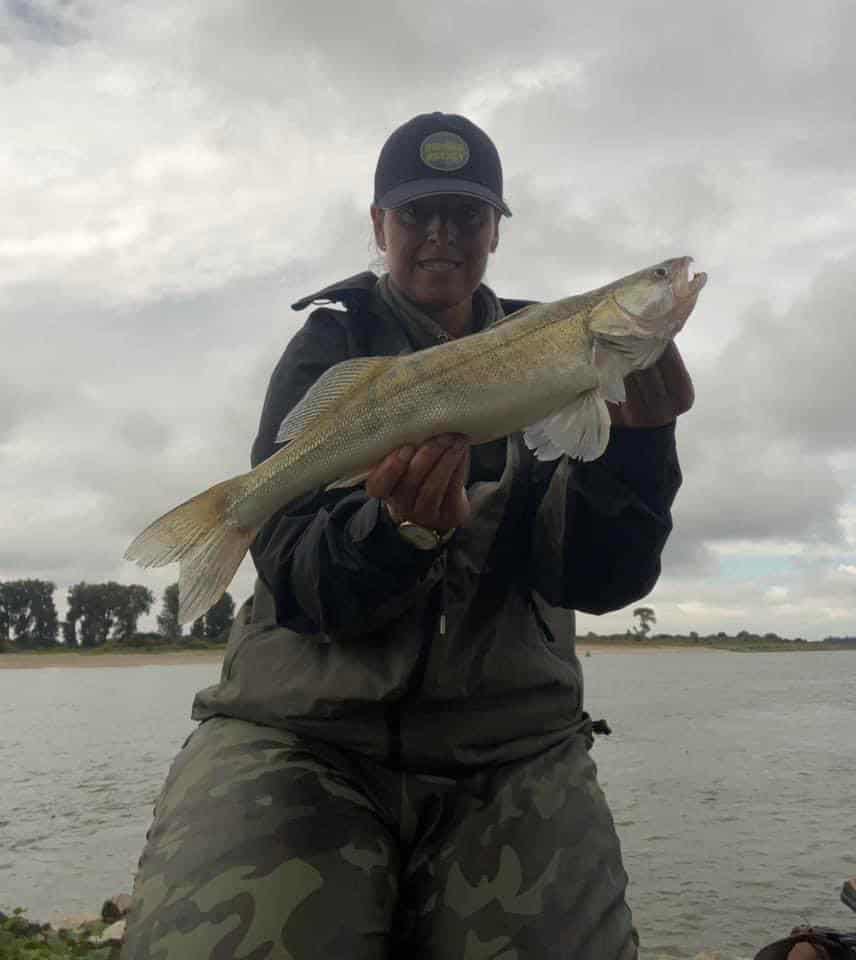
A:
[437, 247]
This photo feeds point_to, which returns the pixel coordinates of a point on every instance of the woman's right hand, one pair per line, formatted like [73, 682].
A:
[425, 484]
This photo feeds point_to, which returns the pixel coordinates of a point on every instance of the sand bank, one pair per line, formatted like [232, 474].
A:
[33, 661]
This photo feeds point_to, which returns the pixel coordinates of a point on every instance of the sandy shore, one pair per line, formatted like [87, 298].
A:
[34, 661]
[584, 649]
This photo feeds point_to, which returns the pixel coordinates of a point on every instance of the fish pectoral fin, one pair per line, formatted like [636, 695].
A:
[612, 368]
[345, 482]
[580, 430]
[326, 390]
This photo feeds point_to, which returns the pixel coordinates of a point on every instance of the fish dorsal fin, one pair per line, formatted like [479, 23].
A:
[517, 315]
[581, 430]
[326, 390]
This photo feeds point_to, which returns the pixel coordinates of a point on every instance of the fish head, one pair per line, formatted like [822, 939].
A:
[654, 302]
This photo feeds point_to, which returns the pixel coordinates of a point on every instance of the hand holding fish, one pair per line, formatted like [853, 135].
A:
[657, 395]
[425, 484]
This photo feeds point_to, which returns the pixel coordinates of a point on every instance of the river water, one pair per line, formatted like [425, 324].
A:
[732, 779]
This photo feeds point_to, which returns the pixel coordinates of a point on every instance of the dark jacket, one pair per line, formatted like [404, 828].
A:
[449, 658]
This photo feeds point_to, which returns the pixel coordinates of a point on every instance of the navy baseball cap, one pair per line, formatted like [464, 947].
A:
[437, 153]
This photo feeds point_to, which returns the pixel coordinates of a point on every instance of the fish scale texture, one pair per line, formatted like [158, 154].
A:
[484, 386]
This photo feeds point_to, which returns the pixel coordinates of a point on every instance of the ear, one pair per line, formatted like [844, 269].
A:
[377, 222]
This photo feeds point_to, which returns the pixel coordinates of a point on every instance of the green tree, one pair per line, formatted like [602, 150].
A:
[101, 611]
[128, 604]
[27, 613]
[168, 625]
[43, 608]
[5, 625]
[69, 633]
[219, 619]
[646, 617]
[197, 629]
[89, 607]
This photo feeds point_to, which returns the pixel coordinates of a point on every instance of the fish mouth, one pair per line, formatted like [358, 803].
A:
[684, 286]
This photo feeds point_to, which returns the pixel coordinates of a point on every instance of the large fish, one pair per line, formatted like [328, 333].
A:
[546, 369]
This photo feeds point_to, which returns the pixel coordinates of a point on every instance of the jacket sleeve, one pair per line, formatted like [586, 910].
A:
[600, 527]
[333, 561]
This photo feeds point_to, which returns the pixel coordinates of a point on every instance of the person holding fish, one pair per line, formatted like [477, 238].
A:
[395, 762]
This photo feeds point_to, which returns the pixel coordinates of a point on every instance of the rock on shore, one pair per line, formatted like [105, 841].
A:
[104, 932]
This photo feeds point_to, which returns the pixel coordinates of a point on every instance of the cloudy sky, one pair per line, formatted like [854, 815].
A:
[174, 174]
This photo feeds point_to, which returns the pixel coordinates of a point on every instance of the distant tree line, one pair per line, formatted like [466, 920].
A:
[840, 641]
[212, 625]
[97, 613]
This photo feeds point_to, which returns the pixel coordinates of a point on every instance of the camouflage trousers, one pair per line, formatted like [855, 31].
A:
[266, 845]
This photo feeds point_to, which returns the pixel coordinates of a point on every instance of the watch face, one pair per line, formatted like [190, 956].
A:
[420, 537]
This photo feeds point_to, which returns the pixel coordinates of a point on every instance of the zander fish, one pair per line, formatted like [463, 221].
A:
[546, 369]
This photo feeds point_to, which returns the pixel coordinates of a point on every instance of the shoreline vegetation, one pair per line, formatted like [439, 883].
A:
[86, 935]
[160, 653]
[100, 629]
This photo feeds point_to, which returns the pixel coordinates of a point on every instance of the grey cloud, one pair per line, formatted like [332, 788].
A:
[45, 21]
[144, 433]
[569, 249]
[829, 155]
[658, 67]
[24, 400]
[770, 414]
[685, 553]
[361, 50]
[761, 492]
[792, 374]
[15, 405]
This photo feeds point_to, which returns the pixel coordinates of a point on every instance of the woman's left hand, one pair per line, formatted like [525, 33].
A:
[657, 395]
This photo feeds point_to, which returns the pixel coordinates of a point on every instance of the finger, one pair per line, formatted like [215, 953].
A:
[432, 491]
[385, 477]
[455, 508]
[677, 381]
[426, 457]
[649, 402]
[421, 464]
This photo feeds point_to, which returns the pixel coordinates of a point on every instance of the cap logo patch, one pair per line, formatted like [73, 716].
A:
[444, 151]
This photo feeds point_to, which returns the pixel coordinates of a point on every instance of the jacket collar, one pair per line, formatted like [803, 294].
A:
[353, 292]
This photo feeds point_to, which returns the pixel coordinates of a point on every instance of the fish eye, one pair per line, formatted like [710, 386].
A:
[661, 272]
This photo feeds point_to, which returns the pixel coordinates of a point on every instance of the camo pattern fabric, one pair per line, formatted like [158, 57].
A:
[267, 845]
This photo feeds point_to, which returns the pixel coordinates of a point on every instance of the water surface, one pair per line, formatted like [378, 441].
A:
[731, 778]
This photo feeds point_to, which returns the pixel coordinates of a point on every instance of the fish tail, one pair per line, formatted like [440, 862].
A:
[207, 543]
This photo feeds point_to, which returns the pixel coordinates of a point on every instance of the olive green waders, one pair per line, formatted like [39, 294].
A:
[266, 845]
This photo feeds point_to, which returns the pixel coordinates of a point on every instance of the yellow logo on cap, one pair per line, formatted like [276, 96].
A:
[444, 151]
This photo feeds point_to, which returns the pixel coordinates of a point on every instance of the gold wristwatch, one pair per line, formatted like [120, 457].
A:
[423, 538]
